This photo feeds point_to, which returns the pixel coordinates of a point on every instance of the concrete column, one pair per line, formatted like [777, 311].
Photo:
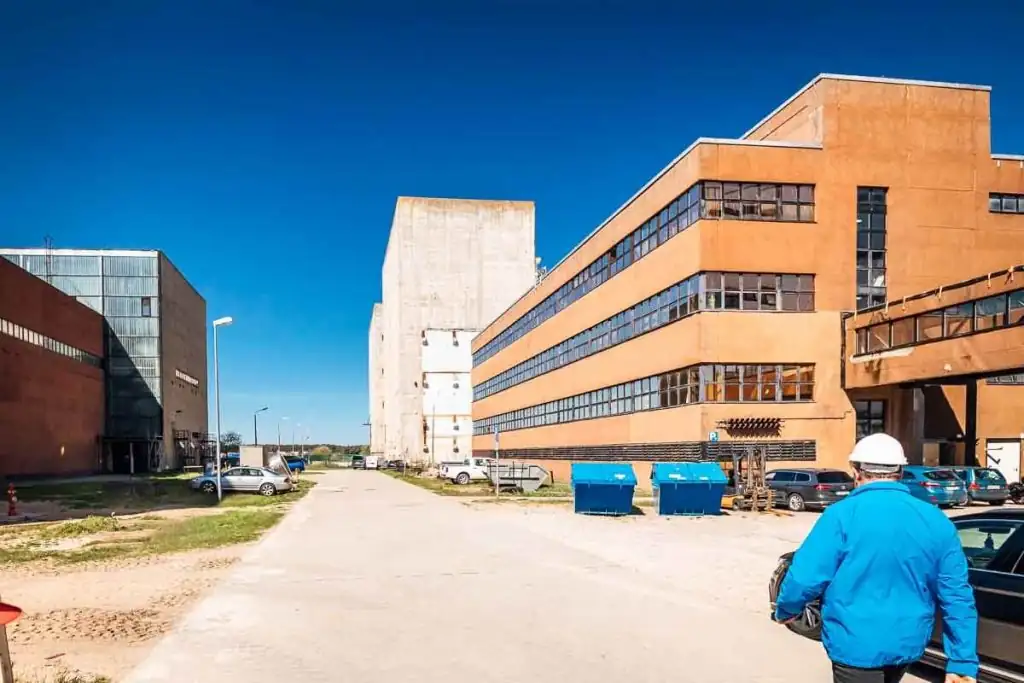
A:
[916, 452]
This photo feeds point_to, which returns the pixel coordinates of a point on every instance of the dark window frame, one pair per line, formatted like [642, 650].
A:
[1006, 203]
[872, 414]
[797, 199]
[1000, 311]
[695, 294]
[701, 383]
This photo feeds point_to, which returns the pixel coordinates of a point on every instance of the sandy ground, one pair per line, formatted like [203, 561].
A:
[102, 618]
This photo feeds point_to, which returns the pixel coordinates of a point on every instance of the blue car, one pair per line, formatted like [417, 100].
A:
[936, 485]
[984, 484]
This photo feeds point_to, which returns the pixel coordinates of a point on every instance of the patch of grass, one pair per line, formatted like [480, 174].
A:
[441, 486]
[249, 500]
[212, 531]
[79, 527]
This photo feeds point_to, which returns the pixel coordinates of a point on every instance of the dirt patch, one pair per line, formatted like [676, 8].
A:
[100, 619]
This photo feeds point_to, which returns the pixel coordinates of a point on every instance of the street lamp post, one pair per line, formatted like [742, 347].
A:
[255, 431]
[279, 421]
[219, 322]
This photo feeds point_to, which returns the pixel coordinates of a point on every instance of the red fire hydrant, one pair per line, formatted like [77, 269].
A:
[12, 501]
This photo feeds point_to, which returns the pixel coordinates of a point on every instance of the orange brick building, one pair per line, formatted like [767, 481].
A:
[51, 379]
[709, 311]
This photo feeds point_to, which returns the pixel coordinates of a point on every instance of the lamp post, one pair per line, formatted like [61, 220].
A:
[294, 425]
[279, 421]
[219, 322]
[255, 431]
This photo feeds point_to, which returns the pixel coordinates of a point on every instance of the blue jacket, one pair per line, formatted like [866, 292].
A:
[882, 561]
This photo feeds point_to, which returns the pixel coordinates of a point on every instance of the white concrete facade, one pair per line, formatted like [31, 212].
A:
[447, 394]
[450, 265]
[376, 377]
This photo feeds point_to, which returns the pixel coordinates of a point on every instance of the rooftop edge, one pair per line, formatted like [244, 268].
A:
[863, 79]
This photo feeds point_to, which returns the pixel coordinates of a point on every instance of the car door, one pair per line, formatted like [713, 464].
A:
[253, 478]
[802, 483]
[779, 484]
[232, 479]
[994, 549]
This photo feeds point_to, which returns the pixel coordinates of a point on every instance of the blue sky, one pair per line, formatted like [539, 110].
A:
[262, 144]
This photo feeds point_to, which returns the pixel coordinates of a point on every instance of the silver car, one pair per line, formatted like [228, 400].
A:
[245, 479]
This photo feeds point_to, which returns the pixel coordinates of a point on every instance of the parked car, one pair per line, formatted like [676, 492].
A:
[798, 489]
[470, 469]
[295, 463]
[984, 484]
[245, 479]
[358, 462]
[936, 485]
[993, 542]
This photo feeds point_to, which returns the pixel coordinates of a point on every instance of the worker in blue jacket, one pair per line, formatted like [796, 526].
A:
[881, 562]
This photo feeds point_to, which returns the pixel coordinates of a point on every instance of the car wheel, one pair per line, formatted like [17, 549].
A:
[795, 502]
[267, 490]
[997, 502]
[463, 478]
[208, 487]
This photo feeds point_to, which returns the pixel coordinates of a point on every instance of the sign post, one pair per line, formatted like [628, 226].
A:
[497, 470]
[8, 614]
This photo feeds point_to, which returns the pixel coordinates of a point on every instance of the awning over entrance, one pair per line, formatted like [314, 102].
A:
[967, 330]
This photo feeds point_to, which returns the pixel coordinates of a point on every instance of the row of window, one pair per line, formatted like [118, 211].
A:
[43, 265]
[706, 383]
[26, 335]
[700, 292]
[990, 313]
[1000, 202]
[713, 200]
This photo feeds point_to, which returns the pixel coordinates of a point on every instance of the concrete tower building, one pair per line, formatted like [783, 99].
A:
[451, 267]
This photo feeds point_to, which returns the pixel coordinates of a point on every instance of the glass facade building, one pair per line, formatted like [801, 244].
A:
[127, 288]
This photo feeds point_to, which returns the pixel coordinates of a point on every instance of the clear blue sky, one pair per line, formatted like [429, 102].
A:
[262, 144]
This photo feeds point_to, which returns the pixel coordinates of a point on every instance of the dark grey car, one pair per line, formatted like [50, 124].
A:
[798, 489]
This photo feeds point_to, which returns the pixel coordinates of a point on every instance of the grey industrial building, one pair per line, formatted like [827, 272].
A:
[451, 267]
[155, 346]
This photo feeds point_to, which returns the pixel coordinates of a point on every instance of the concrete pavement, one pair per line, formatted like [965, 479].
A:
[373, 580]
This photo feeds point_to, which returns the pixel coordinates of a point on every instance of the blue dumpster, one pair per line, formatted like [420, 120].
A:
[688, 488]
[602, 488]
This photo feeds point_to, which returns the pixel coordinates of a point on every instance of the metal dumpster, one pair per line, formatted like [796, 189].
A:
[518, 475]
[688, 488]
[600, 488]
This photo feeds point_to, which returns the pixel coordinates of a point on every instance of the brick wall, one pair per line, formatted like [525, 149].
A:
[51, 406]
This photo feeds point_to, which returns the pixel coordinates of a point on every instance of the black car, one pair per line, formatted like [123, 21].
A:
[799, 489]
[993, 542]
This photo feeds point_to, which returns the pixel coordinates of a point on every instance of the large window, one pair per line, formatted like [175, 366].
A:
[701, 292]
[710, 199]
[1001, 202]
[764, 383]
[969, 317]
[871, 246]
[870, 417]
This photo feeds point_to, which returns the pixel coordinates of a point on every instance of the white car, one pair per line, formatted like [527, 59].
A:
[260, 480]
[470, 469]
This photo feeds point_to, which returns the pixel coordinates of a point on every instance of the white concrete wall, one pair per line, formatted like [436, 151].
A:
[376, 381]
[451, 264]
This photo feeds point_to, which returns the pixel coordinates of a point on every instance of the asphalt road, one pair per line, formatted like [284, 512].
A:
[373, 580]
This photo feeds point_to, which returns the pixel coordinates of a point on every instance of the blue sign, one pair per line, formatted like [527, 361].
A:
[713, 437]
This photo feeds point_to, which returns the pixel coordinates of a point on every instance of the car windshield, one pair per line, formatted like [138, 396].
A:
[836, 477]
[990, 476]
[941, 475]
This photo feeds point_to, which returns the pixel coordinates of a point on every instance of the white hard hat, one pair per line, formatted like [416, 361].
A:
[880, 450]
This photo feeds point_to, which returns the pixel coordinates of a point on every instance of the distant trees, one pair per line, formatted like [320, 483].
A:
[230, 441]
